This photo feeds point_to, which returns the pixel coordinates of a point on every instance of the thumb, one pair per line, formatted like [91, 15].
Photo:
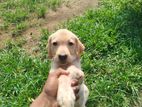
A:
[61, 72]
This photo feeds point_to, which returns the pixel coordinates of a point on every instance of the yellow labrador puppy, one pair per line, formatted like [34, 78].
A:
[64, 49]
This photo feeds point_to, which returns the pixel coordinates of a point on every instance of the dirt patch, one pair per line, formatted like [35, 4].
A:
[4, 38]
[54, 18]
[66, 11]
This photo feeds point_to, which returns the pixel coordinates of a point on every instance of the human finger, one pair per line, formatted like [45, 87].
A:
[61, 72]
[74, 82]
[76, 90]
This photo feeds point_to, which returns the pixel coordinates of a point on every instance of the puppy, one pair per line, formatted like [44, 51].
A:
[64, 50]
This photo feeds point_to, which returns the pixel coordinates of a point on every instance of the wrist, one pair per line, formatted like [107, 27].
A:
[52, 102]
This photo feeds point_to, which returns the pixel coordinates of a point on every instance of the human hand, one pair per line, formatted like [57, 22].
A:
[51, 86]
[75, 87]
[49, 92]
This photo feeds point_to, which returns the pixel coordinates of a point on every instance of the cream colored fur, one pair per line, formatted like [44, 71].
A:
[65, 42]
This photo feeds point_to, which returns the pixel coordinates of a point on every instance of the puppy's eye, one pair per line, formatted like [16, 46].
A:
[55, 43]
[71, 43]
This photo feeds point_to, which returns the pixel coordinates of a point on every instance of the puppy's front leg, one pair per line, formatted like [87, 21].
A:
[83, 96]
[65, 95]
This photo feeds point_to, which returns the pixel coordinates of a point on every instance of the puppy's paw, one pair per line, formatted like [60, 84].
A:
[76, 73]
[66, 99]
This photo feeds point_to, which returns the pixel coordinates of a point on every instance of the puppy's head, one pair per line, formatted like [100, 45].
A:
[64, 47]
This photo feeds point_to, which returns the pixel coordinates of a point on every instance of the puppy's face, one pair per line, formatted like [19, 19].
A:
[64, 47]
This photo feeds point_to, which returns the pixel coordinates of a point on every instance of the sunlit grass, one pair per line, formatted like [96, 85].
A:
[15, 12]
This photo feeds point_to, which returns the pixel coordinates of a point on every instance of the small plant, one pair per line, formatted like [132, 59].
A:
[4, 26]
[54, 3]
[41, 12]
[16, 16]
[19, 29]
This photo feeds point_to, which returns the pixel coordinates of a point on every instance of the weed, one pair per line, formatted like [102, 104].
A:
[41, 12]
[54, 3]
[16, 16]
[4, 26]
[19, 29]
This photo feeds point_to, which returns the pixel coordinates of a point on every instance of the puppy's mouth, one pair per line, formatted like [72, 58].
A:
[63, 62]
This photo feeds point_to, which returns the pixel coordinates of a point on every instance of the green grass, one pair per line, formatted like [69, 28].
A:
[112, 61]
[15, 12]
[20, 75]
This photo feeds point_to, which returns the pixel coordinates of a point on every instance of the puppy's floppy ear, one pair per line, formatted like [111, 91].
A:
[80, 47]
[48, 47]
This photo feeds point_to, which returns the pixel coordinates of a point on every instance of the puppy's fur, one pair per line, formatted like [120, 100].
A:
[64, 49]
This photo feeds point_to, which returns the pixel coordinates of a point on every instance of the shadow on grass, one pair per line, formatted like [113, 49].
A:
[131, 29]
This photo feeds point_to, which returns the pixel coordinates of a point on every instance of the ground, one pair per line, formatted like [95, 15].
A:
[31, 36]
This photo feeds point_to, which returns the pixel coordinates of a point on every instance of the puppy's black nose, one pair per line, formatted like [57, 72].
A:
[62, 57]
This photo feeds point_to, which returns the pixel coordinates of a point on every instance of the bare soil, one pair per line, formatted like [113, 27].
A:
[66, 11]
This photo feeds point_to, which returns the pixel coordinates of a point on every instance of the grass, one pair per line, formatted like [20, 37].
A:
[112, 61]
[15, 12]
[20, 75]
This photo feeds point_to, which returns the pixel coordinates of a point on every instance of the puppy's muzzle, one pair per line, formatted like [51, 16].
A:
[62, 57]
